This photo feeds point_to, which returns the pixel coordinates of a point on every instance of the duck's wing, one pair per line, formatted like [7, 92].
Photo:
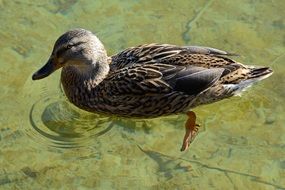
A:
[160, 79]
[170, 54]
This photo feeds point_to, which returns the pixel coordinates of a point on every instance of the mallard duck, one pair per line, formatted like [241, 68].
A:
[146, 81]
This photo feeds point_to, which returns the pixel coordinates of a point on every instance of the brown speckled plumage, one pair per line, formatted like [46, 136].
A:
[148, 80]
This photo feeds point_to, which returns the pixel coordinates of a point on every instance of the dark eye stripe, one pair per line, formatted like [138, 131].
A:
[78, 43]
[64, 48]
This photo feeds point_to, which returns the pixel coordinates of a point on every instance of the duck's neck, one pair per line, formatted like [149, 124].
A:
[79, 83]
[91, 75]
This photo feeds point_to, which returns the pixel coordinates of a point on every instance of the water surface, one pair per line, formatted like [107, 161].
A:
[46, 143]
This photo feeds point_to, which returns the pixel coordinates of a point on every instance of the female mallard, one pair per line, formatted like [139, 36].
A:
[148, 80]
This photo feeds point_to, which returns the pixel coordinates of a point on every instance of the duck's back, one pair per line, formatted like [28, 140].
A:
[235, 77]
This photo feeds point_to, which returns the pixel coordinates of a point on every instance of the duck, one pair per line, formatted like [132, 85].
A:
[146, 81]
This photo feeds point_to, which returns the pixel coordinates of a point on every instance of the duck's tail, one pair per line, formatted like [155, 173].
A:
[255, 74]
[259, 73]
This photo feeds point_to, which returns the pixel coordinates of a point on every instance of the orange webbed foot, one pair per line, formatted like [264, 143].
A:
[191, 130]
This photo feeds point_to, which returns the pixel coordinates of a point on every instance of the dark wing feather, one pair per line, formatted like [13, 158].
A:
[160, 79]
[197, 82]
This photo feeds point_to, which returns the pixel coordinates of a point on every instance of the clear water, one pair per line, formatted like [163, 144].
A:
[46, 143]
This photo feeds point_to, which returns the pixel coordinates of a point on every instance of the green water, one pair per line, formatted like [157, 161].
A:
[46, 143]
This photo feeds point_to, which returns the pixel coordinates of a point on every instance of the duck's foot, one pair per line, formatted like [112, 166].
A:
[191, 130]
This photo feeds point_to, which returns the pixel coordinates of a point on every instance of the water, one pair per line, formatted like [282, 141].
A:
[46, 143]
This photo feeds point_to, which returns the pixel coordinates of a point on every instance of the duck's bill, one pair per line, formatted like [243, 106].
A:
[45, 71]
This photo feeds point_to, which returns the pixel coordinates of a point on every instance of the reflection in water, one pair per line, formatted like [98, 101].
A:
[57, 124]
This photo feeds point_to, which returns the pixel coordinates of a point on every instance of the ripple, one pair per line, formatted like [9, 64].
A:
[58, 124]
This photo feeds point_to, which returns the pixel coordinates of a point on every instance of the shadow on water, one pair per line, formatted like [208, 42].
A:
[59, 125]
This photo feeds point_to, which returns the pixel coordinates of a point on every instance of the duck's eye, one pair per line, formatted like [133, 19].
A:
[68, 46]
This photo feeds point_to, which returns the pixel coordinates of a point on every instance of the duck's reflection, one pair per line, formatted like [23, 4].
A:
[64, 126]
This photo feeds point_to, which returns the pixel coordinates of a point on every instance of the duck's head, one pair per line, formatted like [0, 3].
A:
[79, 48]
